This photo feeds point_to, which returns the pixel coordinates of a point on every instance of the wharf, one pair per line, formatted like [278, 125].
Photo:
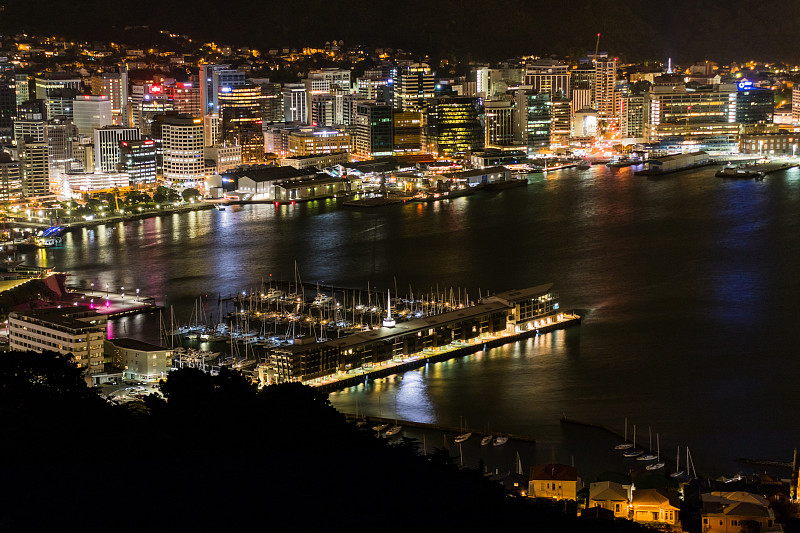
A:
[657, 173]
[115, 304]
[436, 427]
[376, 202]
[76, 224]
[441, 354]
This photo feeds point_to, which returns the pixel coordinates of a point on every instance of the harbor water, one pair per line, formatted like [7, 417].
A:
[689, 286]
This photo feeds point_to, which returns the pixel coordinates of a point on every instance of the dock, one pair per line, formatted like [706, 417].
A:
[436, 427]
[442, 353]
[115, 305]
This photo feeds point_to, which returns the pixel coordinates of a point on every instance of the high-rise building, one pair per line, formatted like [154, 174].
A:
[323, 80]
[60, 134]
[211, 132]
[605, 79]
[548, 76]
[148, 99]
[241, 123]
[796, 104]
[10, 178]
[182, 142]
[322, 108]
[294, 103]
[373, 129]
[561, 125]
[106, 146]
[271, 101]
[754, 105]
[60, 103]
[29, 130]
[412, 86]
[44, 86]
[672, 110]
[91, 113]
[307, 141]
[8, 99]
[631, 117]
[452, 125]
[185, 97]
[534, 117]
[138, 160]
[407, 132]
[22, 88]
[35, 173]
[114, 86]
[498, 123]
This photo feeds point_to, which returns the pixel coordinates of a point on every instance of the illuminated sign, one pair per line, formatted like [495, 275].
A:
[225, 89]
[155, 89]
[745, 85]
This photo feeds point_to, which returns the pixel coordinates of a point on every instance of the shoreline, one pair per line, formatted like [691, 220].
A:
[114, 219]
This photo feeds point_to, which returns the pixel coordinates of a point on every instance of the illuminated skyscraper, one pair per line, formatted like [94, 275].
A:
[241, 124]
[91, 113]
[138, 159]
[534, 119]
[412, 86]
[10, 178]
[498, 124]
[106, 146]
[407, 132]
[182, 142]
[373, 129]
[548, 76]
[294, 103]
[452, 126]
[605, 97]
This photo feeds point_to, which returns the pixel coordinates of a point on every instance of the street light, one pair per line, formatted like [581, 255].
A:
[92, 284]
[137, 295]
[106, 291]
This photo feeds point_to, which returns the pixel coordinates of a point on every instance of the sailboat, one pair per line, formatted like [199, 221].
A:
[658, 464]
[678, 472]
[395, 429]
[463, 436]
[690, 463]
[487, 439]
[649, 456]
[500, 440]
[625, 445]
[379, 427]
[633, 452]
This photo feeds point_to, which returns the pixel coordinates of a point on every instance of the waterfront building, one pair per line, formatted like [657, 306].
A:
[480, 176]
[318, 186]
[74, 183]
[80, 332]
[498, 124]
[493, 158]
[138, 160]
[220, 158]
[690, 112]
[10, 178]
[294, 103]
[452, 126]
[796, 104]
[754, 105]
[582, 87]
[561, 119]
[554, 481]
[655, 506]
[512, 312]
[182, 143]
[91, 113]
[548, 76]
[255, 182]
[139, 360]
[407, 128]
[610, 496]
[770, 144]
[106, 146]
[373, 130]
[413, 85]
[315, 161]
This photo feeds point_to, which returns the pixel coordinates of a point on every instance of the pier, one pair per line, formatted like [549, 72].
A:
[114, 305]
[442, 353]
[436, 427]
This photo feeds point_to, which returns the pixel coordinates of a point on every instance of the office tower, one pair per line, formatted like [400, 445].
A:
[412, 86]
[534, 117]
[240, 120]
[60, 135]
[60, 103]
[92, 112]
[631, 117]
[22, 88]
[294, 103]
[325, 79]
[10, 178]
[35, 173]
[373, 129]
[561, 124]
[672, 110]
[211, 132]
[83, 153]
[407, 127]
[185, 97]
[138, 160]
[368, 87]
[114, 86]
[322, 110]
[106, 146]
[498, 124]
[44, 86]
[271, 102]
[605, 79]
[8, 99]
[213, 78]
[452, 125]
[29, 130]
[148, 99]
[182, 143]
[754, 105]
[548, 76]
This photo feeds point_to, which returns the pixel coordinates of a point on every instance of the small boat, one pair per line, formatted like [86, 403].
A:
[739, 173]
[585, 164]
[650, 456]
[658, 465]
[500, 440]
[463, 436]
[486, 440]
[625, 445]
[678, 472]
[220, 207]
[394, 430]
[380, 427]
[632, 451]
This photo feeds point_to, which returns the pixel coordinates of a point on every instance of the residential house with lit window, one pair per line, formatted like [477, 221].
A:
[731, 512]
[556, 481]
[610, 496]
[655, 507]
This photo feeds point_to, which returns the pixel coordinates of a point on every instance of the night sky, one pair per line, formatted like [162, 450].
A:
[686, 30]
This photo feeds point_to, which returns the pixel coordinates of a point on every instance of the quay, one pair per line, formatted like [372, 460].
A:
[23, 222]
[443, 353]
[114, 304]
[435, 427]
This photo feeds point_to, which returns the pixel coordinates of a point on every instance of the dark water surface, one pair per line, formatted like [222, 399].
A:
[691, 285]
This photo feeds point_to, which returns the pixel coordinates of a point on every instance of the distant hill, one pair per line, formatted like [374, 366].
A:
[686, 30]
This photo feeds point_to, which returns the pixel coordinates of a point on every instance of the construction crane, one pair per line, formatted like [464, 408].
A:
[596, 48]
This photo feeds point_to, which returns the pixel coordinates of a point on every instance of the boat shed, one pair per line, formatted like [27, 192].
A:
[481, 176]
[672, 163]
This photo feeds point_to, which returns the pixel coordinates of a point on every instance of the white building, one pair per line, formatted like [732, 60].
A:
[79, 332]
[139, 360]
[45, 86]
[182, 142]
[294, 103]
[91, 113]
[106, 146]
[220, 158]
[548, 76]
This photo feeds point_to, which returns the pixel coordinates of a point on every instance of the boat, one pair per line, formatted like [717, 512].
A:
[486, 440]
[625, 445]
[220, 207]
[380, 427]
[739, 173]
[658, 465]
[499, 440]
[427, 196]
[584, 164]
[633, 452]
[463, 436]
[394, 430]
[678, 472]
[649, 456]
